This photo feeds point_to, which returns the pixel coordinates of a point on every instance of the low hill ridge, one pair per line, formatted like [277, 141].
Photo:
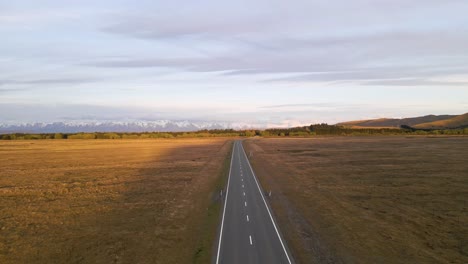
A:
[423, 122]
[460, 121]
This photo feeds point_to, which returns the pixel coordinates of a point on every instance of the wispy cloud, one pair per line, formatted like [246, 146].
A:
[12, 90]
[298, 105]
[415, 82]
[185, 25]
[209, 59]
[410, 75]
[388, 55]
[68, 81]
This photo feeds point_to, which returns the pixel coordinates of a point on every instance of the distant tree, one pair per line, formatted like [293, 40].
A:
[82, 136]
[111, 135]
[249, 133]
[130, 136]
[406, 127]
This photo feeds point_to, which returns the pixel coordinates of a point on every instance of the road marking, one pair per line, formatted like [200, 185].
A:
[242, 185]
[244, 193]
[264, 201]
[225, 203]
[242, 179]
[247, 218]
[245, 203]
[250, 237]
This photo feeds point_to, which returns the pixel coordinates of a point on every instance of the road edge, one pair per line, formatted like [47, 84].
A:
[270, 211]
[219, 233]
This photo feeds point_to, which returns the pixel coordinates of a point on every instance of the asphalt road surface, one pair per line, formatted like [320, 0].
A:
[248, 232]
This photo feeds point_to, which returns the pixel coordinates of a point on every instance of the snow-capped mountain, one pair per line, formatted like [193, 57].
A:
[112, 126]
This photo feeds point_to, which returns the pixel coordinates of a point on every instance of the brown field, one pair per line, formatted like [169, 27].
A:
[368, 199]
[110, 201]
[373, 127]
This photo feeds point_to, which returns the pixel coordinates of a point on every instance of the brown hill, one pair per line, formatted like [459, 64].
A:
[455, 122]
[395, 122]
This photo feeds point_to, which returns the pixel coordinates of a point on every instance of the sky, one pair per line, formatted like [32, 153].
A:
[266, 63]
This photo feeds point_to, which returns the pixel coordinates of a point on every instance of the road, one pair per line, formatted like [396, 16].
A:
[248, 232]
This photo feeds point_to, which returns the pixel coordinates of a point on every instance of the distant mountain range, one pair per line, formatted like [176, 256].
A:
[422, 122]
[137, 126]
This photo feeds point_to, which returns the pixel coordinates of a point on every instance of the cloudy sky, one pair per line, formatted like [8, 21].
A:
[262, 62]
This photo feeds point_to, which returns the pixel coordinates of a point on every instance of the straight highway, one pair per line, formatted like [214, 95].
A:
[248, 232]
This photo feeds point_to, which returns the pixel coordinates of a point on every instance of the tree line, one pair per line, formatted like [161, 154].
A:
[305, 131]
[325, 129]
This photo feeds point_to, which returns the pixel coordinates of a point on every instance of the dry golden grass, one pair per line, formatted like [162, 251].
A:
[458, 121]
[372, 127]
[368, 199]
[106, 201]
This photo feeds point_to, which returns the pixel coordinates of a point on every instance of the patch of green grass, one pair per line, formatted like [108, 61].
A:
[208, 231]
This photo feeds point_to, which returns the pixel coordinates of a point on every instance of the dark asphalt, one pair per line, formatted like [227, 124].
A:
[248, 233]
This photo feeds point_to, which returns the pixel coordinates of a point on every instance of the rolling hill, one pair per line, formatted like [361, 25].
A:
[422, 122]
[460, 121]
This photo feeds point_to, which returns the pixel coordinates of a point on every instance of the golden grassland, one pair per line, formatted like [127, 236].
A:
[458, 121]
[368, 199]
[368, 127]
[110, 201]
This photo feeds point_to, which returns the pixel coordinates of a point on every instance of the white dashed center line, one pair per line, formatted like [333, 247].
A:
[247, 218]
[245, 203]
[250, 237]
[244, 193]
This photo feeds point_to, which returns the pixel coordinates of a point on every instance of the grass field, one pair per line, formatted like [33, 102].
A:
[110, 201]
[368, 199]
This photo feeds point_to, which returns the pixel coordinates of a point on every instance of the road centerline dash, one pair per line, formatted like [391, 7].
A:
[232, 248]
[266, 206]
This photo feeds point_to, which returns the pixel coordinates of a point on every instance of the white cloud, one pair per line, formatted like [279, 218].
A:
[235, 57]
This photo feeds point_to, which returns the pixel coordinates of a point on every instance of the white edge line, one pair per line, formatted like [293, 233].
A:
[225, 202]
[271, 217]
